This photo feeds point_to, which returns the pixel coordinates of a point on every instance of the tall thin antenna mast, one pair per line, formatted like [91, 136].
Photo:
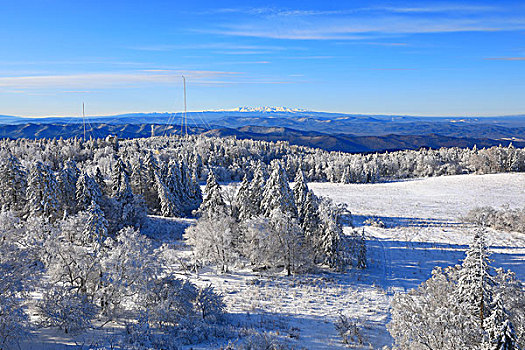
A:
[184, 121]
[84, 120]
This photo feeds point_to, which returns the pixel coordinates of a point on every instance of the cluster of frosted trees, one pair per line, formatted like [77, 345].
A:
[232, 159]
[505, 219]
[468, 306]
[72, 233]
[89, 278]
[266, 224]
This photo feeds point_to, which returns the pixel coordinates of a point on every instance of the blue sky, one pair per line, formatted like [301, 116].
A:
[373, 57]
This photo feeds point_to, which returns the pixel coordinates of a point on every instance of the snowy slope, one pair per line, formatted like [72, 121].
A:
[440, 198]
[423, 230]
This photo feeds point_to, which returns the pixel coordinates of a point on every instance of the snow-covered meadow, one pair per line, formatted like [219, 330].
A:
[423, 229]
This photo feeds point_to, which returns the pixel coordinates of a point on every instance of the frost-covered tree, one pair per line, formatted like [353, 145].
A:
[42, 192]
[195, 194]
[243, 207]
[17, 271]
[138, 177]
[429, 317]
[13, 183]
[329, 239]
[209, 304]
[475, 283]
[469, 306]
[150, 194]
[277, 241]
[87, 192]
[65, 309]
[127, 210]
[67, 179]
[96, 227]
[308, 210]
[499, 329]
[277, 193]
[169, 301]
[214, 240]
[127, 269]
[213, 204]
[169, 206]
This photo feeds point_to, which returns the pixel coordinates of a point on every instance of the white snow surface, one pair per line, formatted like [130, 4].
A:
[438, 198]
[423, 230]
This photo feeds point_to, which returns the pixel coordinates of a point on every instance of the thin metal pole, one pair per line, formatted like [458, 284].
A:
[185, 109]
[84, 120]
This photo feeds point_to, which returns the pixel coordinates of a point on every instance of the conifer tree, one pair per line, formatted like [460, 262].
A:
[168, 204]
[150, 194]
[243, 209]
[256, 188]
[67, 181]
[277, 193]
[99, 179]
[125, 211]
[87, 192]
[499, 329]
[13, 183]
[138, 178]
[96, 228]
[329, 239]
[42, 192]
[195, 194]
[213, 204]
[475, 282]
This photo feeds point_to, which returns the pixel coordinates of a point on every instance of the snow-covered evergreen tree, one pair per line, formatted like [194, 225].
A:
[13, 183]
[87, 192]
[429, 317]
[277, 193]
[463, 307]
[96, 227]
[138, 177]
[242, 208]
[150, 194]
[67, 179]
[498, 327]
[213, 204]
[42, 192]
[195, 194]
[475, 281]
[168, 205]
[329, 240]
[308, 210]
[126, 211]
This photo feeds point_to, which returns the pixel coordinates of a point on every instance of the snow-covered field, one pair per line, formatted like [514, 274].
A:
[423, 230]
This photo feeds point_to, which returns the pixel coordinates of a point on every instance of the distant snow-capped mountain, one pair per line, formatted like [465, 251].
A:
[266, 109]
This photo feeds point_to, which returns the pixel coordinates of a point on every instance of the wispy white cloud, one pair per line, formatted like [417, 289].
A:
[210, 46]
[287, 12]
[368, 23]
[505, 58]
[80, 83]
[107, 80]
[439, 8]
[366, 29]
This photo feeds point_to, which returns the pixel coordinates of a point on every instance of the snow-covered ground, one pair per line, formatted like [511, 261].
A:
[437, 198]
[423, 230]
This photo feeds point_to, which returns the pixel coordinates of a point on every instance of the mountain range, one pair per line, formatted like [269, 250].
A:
[330, 131]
